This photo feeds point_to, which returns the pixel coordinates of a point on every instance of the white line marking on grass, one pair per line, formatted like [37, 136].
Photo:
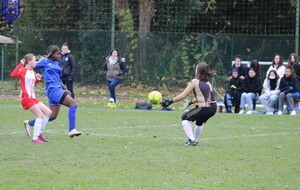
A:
[63, 132]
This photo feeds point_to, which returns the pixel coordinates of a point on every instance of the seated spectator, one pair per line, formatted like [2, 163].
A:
[293, 62]
[271, 92]
[254, 64]
[241, 69]
[251, 90]
[288, 88]
[232, 95]
[277, 65]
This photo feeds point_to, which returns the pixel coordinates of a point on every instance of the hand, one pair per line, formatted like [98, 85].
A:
[296, 95]
[22, 61]
[68, 92]
[166, 102]
[123, 59]
[187, 104]
[38, 76]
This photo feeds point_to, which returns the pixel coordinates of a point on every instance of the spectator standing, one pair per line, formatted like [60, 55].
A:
[68, 64]
[114, 70]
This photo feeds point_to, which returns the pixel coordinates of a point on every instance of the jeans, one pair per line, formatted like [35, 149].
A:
[268, 101]
[248, 97]
[289, 98]
[112, 87]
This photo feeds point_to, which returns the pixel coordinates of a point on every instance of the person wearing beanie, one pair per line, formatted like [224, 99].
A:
[56, 92]
[233, 92]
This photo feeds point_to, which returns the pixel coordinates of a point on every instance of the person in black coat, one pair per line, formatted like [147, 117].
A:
[233, 92]
[288, 87]
[251, 90]
[68, 64]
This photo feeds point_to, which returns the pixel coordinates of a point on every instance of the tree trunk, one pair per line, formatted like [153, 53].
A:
[146, 13]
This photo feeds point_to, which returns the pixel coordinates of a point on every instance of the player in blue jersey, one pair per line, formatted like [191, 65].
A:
[56, 92]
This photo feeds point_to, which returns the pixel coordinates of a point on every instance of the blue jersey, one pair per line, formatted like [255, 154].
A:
[51, 72]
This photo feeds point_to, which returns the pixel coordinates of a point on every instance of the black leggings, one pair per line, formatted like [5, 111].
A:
[200, 115]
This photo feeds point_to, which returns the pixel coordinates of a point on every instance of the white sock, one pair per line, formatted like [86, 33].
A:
[197, 131]
[188, 129]
[37, 128]
[45, 121]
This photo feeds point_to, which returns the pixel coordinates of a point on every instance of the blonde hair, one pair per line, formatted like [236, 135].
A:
[28, 57]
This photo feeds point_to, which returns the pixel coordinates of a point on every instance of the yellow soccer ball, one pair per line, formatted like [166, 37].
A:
[154, 97]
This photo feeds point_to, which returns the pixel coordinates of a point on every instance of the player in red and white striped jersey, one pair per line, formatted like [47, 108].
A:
[28, 78]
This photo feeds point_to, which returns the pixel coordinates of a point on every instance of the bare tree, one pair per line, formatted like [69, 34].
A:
[146, 13]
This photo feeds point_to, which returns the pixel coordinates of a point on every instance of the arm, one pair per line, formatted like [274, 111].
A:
[41, 64]
[123, 67]
[185, 93]
[73, 64]
[188, 89]
[15, 73]
[105, 67]
[266, 87]
[38, 77]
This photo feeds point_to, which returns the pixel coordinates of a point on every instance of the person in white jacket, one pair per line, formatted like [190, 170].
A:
[277, 65]
[271, 91]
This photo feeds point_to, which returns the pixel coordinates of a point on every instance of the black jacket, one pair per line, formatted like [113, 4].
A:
[68, 64]
[288, 84]
[252, 84]
[237, 82]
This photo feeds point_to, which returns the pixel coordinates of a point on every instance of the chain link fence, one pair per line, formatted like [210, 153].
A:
[167, 59]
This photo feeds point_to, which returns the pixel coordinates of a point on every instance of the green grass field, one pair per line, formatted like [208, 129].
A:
[131, 149]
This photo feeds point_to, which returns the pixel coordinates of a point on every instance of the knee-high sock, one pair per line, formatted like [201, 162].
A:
[72, 117]
[45, 121]
[188, 129]
[37, 128]
[197, 131]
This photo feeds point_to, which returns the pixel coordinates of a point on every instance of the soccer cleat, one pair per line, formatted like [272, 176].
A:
[38, 140]
[43, 138]
[269, 113]
[279, 113]
[189, 142]
[27, 127]
[73, 133]
[293, 112]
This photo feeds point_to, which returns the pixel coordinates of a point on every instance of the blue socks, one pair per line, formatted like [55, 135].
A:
[32, 122]
[72, 117]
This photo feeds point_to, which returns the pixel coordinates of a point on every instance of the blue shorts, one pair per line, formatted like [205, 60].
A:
[55, 96]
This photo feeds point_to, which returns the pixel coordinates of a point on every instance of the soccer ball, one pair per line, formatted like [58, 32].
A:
[111, 105]
[154, 97]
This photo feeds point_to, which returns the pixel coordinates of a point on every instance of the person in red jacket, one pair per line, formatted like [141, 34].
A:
[28, 78]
